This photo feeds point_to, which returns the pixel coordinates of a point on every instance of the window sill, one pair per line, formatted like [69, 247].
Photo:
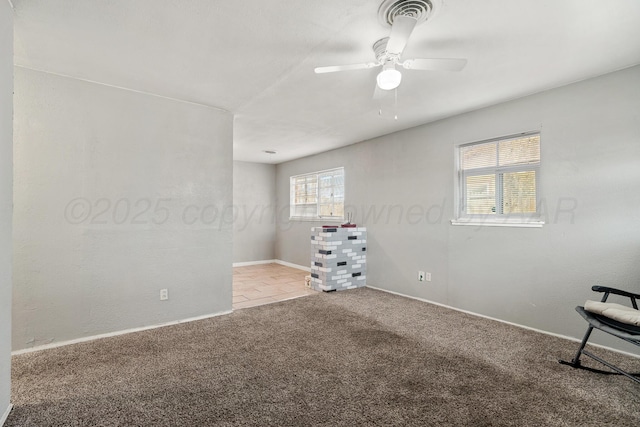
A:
[303, 219]
[499, 222]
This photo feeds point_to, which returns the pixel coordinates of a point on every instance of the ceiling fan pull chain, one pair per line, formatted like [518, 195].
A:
[396, 103]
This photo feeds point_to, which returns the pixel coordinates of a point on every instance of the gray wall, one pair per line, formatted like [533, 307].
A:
[533, 277]
[117, 195]
[6, 178]
[254, 198]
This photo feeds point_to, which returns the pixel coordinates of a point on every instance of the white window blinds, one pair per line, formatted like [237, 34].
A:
[500, 177]
[318, 195]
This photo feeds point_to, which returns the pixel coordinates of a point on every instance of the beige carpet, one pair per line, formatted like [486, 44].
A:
[358, 357]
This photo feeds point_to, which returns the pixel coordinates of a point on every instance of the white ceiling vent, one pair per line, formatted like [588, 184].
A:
[418, 9]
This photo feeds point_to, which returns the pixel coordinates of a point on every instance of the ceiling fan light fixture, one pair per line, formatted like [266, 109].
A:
[389, 79]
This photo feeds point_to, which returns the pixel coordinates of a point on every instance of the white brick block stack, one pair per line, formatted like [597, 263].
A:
[338, 258]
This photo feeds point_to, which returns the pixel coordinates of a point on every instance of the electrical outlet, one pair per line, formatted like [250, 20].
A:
[421, 276]
[427, 277]
[164, 294]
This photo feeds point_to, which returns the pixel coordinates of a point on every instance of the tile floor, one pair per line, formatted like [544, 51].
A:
[266, 283]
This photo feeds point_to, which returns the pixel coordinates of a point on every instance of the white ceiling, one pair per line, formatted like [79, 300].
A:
[255, 58]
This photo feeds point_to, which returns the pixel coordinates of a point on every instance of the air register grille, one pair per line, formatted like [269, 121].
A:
[419, 9]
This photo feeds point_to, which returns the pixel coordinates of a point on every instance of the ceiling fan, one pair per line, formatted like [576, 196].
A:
[402, 16]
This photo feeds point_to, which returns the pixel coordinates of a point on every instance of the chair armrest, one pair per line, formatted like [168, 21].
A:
[599, 288]
[633, 297]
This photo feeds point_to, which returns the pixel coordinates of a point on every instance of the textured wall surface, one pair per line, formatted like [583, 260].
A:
[254, 199]
[401, 187]
[117, 196]
[6, 150]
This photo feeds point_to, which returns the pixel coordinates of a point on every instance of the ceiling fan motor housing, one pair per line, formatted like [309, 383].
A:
[418, 9]
[380, 49]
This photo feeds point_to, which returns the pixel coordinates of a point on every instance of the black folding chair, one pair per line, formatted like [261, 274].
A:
[624, 331]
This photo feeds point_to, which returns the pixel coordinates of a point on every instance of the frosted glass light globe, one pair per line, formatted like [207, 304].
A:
[389, 79]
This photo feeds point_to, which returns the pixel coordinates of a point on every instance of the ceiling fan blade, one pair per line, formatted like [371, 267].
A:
[435, 64]
[334, 68]
[400, 31]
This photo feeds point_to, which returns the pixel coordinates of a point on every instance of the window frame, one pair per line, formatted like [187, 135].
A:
[317, 216]
[533, 219]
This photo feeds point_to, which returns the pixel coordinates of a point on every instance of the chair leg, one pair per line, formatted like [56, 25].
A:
[575, 362]
[632, 377]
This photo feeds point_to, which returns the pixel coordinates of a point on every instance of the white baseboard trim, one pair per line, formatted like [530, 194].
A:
[288, 264]
[247, 263]
[272, 261]
[4, 417]
[114, 334]
[505, 321]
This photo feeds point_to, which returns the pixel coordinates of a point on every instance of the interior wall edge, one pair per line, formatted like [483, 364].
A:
[6, 202]
[156, 95]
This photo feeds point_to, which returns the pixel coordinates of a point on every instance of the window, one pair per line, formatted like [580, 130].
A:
[318, 195]
[499, 181]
